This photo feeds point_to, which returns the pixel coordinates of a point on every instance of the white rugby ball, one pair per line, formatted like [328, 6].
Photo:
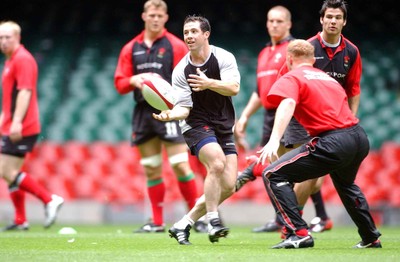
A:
[158, 93]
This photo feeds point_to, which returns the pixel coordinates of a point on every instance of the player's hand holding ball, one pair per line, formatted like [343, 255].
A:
[165, 115]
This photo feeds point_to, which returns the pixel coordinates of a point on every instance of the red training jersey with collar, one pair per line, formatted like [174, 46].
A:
[342, 63]
[20, 72]
[136, 58]
[321, 103]
[270, 60]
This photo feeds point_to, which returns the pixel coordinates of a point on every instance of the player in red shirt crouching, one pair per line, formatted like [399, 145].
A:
[337, 147]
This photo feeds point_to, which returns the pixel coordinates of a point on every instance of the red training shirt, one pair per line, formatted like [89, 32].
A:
[270, 61]
[20, 72]
[321, 102]
[136, 58]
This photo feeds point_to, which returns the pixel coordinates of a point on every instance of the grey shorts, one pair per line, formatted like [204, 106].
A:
[269, 117]
[295, 134]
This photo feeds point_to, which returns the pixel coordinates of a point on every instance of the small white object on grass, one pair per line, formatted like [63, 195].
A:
[67, 231]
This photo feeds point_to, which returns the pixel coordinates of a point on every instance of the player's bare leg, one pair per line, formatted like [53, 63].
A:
[223, 183]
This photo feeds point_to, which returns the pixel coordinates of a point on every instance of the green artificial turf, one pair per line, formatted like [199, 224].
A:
[118, 243]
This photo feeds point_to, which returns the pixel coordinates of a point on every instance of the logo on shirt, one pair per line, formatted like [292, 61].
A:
[22, 147]
[161, 52]
[139, 52]
[346, 61]
[310, 75]
[154, 65]
[206, 128]
[204, 71]
[278, 57]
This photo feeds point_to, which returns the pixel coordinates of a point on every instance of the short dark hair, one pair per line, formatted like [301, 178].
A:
[204, 23]
[341, 4]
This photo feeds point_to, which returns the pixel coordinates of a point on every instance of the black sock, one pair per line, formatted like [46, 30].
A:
[319, 205]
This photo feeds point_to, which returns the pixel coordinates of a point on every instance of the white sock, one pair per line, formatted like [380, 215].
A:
[212, 215]
[182, 224]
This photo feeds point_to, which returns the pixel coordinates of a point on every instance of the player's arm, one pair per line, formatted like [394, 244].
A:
[176, 113]
[354, 103]
[252, 106]
[283, 115]
[123, 81]
[199, 82]
[22, 104]
[183, 98]
[352, 84]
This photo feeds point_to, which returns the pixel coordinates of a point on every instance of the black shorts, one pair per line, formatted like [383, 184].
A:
[269, 118]
[295, 134]
[145, 127]
[20, 148]
[195, 138]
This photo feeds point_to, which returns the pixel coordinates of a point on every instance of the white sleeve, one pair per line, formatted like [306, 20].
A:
[228, 67]
[183, 92]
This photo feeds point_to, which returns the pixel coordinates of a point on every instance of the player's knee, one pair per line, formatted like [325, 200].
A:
[152, 165]
[217, 167]
[9, 175]
[2, 168]
[318, 185]
[177, 159]
[180, 164]
[151, 161]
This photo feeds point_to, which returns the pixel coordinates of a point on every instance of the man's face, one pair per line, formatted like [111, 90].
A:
[333, 21]
[9, 39]
[193, 36]
[278, 25]
[155, 19]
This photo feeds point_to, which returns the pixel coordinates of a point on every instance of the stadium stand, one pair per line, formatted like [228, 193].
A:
[83, 151]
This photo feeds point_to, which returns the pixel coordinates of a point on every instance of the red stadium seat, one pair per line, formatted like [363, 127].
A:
[197, 167]
[4, 193]
[390, 153]
[103, 151]
[125, 151]
[40, 167]
[77, 151]
[60, 186]
[86, 186]
[126, 168]
[96, 168]
[375, 195]
[69, 168]
[48, 150]
[118, 189]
